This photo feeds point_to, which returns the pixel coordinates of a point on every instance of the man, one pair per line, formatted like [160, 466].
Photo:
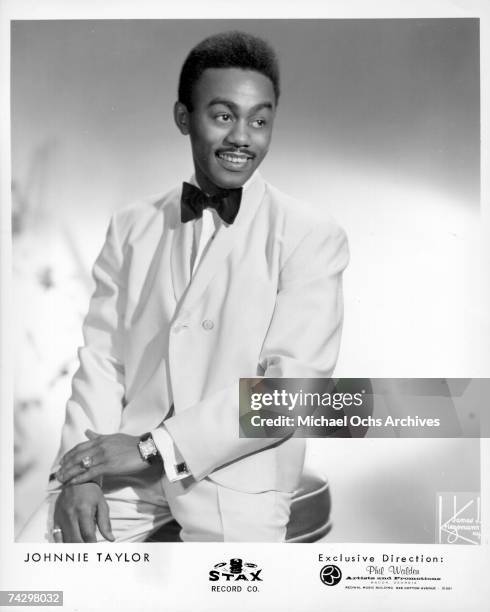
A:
[221, 278]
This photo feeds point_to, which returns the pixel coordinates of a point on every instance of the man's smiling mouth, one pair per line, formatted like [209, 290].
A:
[238, 159]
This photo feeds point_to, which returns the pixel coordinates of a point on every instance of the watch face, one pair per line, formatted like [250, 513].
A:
[147, 448]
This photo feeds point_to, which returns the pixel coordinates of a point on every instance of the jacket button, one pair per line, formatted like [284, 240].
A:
[207, 324]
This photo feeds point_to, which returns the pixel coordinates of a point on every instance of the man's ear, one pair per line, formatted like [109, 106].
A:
[181, 117]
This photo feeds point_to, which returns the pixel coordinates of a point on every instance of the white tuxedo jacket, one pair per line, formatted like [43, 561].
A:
[265, 300]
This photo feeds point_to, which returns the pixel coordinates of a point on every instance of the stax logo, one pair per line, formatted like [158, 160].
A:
[234, 571]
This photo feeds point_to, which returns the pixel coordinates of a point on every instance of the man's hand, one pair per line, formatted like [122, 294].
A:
[79, 509]
[113, 454]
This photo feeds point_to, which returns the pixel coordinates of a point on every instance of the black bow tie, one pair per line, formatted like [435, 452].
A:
[193, 201]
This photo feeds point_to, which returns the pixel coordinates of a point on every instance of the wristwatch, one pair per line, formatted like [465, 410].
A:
[148, 450]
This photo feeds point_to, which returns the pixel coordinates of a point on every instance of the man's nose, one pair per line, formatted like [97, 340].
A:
[239, 135]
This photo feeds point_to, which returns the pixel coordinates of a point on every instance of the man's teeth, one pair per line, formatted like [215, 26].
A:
[235, 159]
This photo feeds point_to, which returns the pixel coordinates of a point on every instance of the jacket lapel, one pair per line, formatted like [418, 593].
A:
[180, 256]
[223, 243]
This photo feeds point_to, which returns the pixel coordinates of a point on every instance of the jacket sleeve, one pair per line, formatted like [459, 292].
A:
[302, 342]
[98, 388]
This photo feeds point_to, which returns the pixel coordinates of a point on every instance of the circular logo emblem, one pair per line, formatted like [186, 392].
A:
[330, 575]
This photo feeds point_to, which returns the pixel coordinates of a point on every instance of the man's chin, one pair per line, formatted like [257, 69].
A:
[228, 180]
[234, 179]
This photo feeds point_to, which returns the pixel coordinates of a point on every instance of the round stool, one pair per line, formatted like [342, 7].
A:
[309, 520]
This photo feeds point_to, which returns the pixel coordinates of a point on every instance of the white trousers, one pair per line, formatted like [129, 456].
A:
[206, 511]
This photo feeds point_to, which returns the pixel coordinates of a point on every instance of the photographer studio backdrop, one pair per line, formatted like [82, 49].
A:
[378, 123]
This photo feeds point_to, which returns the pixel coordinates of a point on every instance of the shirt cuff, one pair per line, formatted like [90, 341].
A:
[173, 462]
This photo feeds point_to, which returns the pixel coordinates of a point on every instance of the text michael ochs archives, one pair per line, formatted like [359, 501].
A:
[281, 407]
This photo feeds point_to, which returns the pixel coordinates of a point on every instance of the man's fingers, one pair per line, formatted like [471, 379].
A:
[75, 468]
[86, 476]
[70, 530]
[66, 521]
[57, 535]
[87, 527]
[91, 435]
[103, 520]
[75, 511]
[78, 452]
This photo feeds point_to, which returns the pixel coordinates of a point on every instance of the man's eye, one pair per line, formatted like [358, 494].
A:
[258, 123]
[223, 117]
